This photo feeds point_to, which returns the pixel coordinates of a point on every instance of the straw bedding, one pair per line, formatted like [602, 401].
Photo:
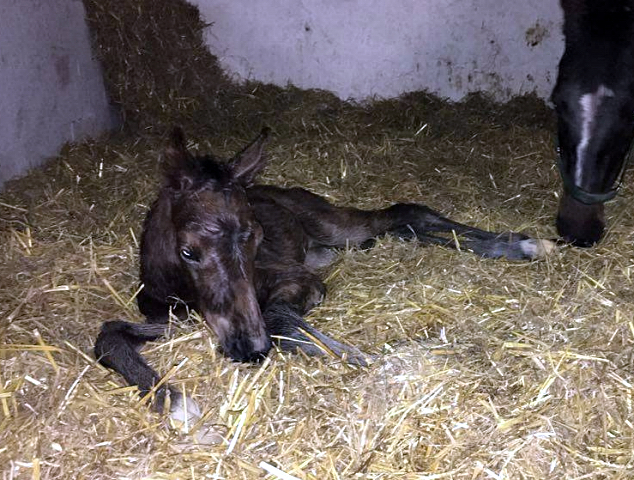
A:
[484, 369]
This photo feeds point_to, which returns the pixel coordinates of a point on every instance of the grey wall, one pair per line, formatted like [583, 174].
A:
[361, 48]
[51, 89]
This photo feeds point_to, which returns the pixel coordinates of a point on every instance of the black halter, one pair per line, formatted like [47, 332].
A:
[584, 196]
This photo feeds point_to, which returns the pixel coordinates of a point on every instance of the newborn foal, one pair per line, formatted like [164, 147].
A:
[245, 257]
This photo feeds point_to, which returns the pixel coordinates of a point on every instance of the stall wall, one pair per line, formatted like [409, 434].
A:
[51, 88]
[364, 48]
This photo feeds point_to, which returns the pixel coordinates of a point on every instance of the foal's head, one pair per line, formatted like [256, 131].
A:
[217, 237]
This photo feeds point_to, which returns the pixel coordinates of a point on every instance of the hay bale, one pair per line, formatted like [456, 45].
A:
[157, 69]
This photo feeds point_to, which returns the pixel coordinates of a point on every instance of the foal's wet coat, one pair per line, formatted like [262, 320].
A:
[247, 258]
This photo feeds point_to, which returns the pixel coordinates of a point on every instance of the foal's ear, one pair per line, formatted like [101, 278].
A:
[177, 164]
[249, 162]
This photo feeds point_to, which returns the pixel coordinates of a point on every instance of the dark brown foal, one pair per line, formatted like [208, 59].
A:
[246, 257]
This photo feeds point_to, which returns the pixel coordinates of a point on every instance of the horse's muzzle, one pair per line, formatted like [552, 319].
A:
[242, 349]
[578, 223]
[241, 341]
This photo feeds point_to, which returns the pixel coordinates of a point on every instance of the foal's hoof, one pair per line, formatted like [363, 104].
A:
[185, 415]
[535, 248]
[184, 412]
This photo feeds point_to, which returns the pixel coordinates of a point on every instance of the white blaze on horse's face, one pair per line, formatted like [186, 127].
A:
[589, 104]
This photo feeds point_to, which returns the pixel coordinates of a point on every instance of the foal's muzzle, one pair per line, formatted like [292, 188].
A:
[242, 341]
[241, 349]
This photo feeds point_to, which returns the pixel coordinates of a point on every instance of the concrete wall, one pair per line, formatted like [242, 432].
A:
[51, 89]
[360, 48]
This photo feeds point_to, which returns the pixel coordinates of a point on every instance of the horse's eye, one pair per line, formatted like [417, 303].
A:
[245, 236]
[188, 255]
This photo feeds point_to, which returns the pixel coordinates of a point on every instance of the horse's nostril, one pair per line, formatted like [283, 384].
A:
[242, 349]
[581, 238]
[249, 357]
[580, 233]
[579, 224]
[581, 242]
[258, 357]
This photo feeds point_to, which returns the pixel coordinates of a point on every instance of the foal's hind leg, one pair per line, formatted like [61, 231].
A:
[417, 221]
[334, 226]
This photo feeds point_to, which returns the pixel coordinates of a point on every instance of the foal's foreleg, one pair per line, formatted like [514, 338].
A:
[288, 328]
[291, 292]
[117, 347]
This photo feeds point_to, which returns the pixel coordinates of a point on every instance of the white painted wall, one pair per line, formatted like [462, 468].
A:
[51, 89]
[361, 48]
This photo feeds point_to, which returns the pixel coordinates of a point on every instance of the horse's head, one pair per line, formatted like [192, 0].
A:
[216, 240]
[594, 101]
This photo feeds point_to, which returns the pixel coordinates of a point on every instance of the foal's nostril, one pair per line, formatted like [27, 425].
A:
[249, 357]
[257, 357]
[241, 349]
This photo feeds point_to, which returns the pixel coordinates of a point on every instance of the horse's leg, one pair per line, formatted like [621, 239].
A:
[334, 226]
[158, 311]
[290, 331]
[421, 222]
[153, 310]
[290, 293]
[117, 347]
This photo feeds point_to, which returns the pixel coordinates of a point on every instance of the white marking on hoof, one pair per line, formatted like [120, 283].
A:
[184, 413]
[210, 435]
[535, 248]
[184, 416]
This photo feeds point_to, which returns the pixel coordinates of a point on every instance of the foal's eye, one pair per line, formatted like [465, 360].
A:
[188, 255]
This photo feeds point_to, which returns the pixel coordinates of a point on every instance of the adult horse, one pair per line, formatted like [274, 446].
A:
[247, 257]
[594, 101]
